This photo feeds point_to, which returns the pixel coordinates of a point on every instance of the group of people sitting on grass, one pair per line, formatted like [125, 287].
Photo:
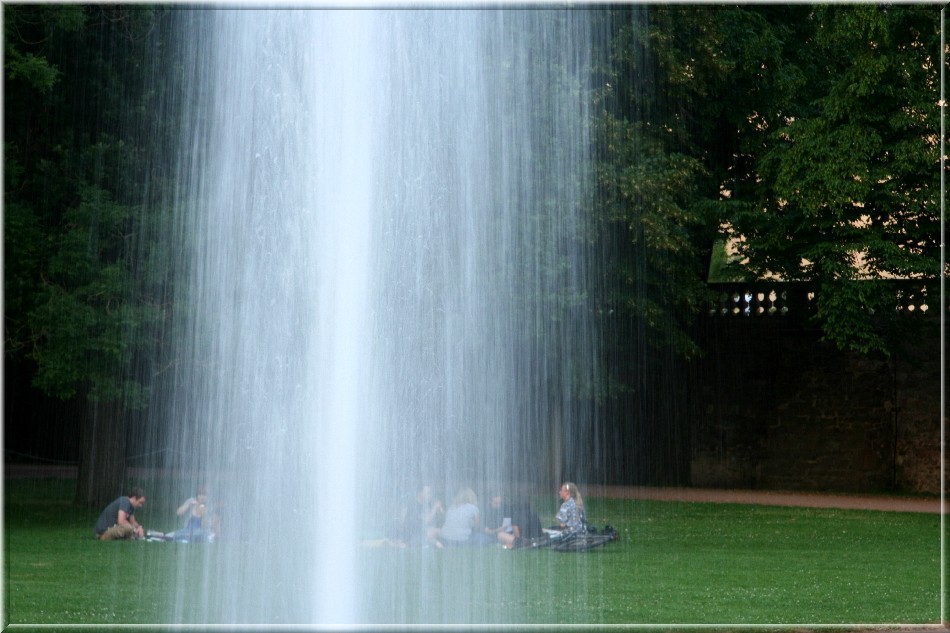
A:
[426, 522]
[117, 521]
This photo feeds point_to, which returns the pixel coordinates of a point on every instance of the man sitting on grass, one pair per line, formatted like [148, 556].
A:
[117, 521]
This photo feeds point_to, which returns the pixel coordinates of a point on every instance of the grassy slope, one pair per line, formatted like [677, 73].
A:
[676, 563]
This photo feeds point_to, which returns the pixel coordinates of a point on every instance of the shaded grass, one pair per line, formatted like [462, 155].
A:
[57, 573]
[676, 564]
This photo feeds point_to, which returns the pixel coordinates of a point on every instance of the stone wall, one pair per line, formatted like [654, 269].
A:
[917, 411]
[780, 409]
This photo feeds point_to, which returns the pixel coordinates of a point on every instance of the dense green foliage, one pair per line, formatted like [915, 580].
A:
[79, 123]
[85, 264]
[851, 168]
[809, 133]
[676, 563]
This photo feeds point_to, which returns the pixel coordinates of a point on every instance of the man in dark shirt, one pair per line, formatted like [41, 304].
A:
[117, 521]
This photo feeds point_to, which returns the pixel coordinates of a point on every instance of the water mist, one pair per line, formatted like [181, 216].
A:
[383, 214]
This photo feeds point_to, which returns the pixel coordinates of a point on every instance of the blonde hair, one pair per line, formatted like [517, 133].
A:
[465, 495]
[574, 493]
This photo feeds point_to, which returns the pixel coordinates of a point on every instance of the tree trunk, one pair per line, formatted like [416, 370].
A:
[102, 444]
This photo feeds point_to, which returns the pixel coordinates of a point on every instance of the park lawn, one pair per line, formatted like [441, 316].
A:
[675, 564]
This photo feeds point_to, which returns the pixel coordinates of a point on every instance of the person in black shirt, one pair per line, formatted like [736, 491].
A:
[117, 521]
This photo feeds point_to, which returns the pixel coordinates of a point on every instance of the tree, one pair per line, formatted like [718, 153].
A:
[844, 185]
[680, 92]
[83, 293]
[660, 102]
[651, 178]
[806, 134]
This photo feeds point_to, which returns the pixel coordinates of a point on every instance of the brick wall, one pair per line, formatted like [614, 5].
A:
[780, 409]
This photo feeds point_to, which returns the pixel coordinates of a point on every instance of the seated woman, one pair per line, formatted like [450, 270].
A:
[200, 524]
[462, 521]
[570, 516]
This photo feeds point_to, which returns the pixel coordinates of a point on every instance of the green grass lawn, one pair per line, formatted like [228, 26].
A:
[675, 564]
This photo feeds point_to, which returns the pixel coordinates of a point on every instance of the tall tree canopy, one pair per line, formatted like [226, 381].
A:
[83, 293]
[806, 135]
[846, 186]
